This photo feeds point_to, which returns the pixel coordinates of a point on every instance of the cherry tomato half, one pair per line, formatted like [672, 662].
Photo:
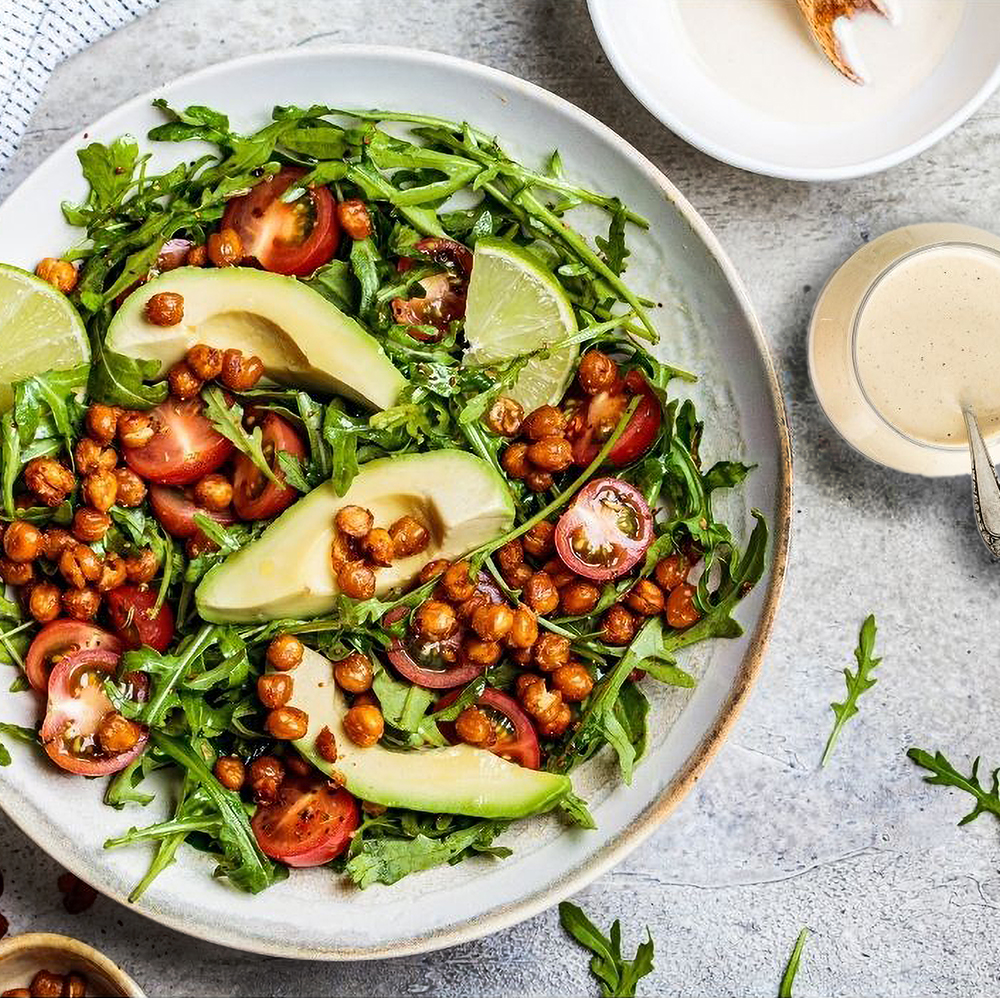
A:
[597, 416]
[77, 704]
[184, 446]
[175, 510]
[132, 612]
[606, 530]
[255, 496]
[444, 293]
[310, 823]
[60, 638]
[516, 738]
[293, 238]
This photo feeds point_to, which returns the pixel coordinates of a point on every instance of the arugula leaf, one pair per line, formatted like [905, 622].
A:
[575, 810]
[617, 977]
[228, 420]
[121, 788]
[10, 460]
[403, 704]
[51, 393]
[108, 170]
[293, 471]
[857, 683]
[119, 380]
[945, 775]
[613, 248]
[792, 967]
[336, 282]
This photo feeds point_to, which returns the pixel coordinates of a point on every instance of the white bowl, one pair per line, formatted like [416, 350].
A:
[652, 53]
[708, 326]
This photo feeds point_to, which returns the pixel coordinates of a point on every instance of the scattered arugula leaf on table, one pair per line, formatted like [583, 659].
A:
[857, 683]
[618, 977]
[792, 967]
[944, 774]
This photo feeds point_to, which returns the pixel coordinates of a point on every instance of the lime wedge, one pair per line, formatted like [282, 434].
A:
[39, 329]
[516, 305]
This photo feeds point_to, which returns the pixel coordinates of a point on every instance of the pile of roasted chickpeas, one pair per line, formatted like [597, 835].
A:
[360, 548]
[46, 984]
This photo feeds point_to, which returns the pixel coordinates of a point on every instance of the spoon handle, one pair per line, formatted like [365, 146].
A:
[985, 487]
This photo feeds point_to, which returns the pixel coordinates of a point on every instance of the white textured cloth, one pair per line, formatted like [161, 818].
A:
[35, 36]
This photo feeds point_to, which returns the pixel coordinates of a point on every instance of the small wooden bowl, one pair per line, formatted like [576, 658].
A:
[21, 957]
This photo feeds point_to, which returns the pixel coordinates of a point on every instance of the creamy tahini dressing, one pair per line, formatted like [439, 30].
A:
[761, 52]
[928, 342]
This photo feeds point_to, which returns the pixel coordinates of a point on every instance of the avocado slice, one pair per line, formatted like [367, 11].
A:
[456, 780]
[286, 572]
[301, 338]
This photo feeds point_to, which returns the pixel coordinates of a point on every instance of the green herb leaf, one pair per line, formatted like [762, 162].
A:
[792, 967]
[857, 683]
[228, 420]
[945, 775]
[617, 977]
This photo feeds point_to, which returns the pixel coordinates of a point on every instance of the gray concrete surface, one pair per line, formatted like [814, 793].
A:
[899, 900]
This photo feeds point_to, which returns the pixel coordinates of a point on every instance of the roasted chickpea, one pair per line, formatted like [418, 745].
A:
[573, 681]
[22, 541]
[16, 573]
[326, 745]
[61, 274]
[205, 361]
[274, 689]
[505, 417]
[89, 456]
[433, 569]
[354, 673]
[539, 541]
[551, 454]
[456, 581]
[286, 723]
[510, 556]
[116, 733]
[43, 602]
[214, 492]
[474, 727]
[493, 622]
[79, 565]
[517, 578]
[45, 984]
[225, 248]
[481, 652]
[539, 481]
[342, 550]
[618, 626]
[240, 373]
[49, 480]
[284, 653]
[522, 656]
[671, 571]
[55, 540]
[540, 702]
[435, 620]
[597, 372]
[354, 521]
[142, 567]
[230, 772]
[514, 460]
[646, 598]
[523, 681]
[184, 383]
[16, 993]
[524, 630]
[356, 580]
[266, 774]
[366, 699]
[681, 609]
[100, 490]
[409, 536]
[102, 423]
[550, 651]
[378, 546]
[578, 598]
[165, 308]
[556, 728]
[364, 725]
[75, 986]
[559, 573]
[354, 218]
[81, 604]
[197, 256]
[540, 593]
[545, 421]
[90, 525]
[113, 573]
[135, 429]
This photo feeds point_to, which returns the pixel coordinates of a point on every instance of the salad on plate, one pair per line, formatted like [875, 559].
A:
[339, 482]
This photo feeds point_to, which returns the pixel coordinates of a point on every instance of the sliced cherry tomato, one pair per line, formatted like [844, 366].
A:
[444, 293]
[61, 638]
[606, 530]
[184, 446]
[310, 823]
[77, 704]
[255, 496]
[516, 739]
[436, 665]
[175, 510]
[134, 618]
[596, 417]
[293, 238]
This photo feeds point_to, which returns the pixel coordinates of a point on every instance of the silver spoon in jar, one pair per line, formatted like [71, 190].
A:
[985, 486]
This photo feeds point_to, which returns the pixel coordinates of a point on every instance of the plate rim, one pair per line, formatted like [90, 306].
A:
[753, 164]
[657, 809]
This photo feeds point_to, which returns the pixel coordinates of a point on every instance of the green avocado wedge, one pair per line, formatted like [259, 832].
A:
[286, 572]
[455, 780]
[301, 338]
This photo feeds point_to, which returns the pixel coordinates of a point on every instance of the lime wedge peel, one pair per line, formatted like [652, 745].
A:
[39, 328]
[515, 305]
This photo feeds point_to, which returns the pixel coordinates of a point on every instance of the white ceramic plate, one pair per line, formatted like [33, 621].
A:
[707, 324]
[662, 62]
